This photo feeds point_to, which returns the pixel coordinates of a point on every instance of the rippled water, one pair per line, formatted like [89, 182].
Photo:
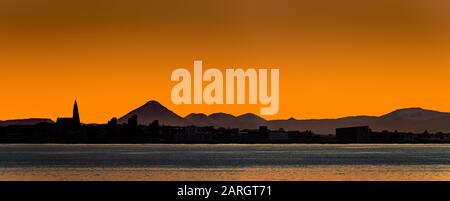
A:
[225, 162]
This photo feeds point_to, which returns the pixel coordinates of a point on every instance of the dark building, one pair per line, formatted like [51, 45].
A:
[353, 134]
[297, 136]
[153, 129]
[73, 122]
[113, 122]
[133, 121]
[65, 122]
[112, 125]
[76, 116]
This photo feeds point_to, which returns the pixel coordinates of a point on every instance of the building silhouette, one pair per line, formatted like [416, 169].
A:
[76, 115]
[67, 122]
[353, 134]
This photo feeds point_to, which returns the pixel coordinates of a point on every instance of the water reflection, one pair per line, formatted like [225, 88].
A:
[226, 162]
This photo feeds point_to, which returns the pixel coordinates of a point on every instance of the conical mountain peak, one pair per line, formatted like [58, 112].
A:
[153, 110]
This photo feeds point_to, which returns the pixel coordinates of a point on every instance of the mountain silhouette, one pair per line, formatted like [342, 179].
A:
[250, 120]
[415, 120]
[224, 120]
[415, 114]
[200, 119]
[245, 121]
[153, 110]
[31, 121]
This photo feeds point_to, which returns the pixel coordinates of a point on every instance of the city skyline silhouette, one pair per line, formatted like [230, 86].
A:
[413, 120]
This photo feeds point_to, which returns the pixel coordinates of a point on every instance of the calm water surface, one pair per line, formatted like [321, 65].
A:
[225, 162]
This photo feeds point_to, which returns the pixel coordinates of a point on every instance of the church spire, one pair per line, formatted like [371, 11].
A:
[76, 115]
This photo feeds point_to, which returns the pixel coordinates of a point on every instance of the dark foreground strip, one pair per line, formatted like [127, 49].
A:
[224, 190]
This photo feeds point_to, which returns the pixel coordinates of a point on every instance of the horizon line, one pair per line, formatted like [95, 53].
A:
[237, 115]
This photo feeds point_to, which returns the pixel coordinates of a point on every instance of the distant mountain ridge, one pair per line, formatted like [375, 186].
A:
[30, 121]
[415, 120]
[415, 114]
[249, 120]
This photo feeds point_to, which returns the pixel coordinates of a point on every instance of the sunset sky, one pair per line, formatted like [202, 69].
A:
[336, 57]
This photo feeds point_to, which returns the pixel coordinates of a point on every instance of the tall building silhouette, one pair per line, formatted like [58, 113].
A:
[76, 115]
[73, 122]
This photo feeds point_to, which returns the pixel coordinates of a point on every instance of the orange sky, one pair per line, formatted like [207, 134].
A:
[336, 58]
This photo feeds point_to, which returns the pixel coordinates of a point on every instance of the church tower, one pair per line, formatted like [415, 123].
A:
[76, 115]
